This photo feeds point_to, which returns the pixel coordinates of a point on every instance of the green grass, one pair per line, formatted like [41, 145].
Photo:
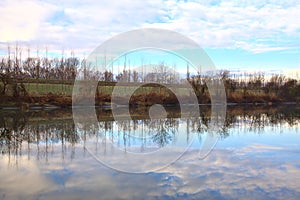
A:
[44, 88]
[34, 89]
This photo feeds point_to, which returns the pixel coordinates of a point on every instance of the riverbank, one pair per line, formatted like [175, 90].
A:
[54, 101]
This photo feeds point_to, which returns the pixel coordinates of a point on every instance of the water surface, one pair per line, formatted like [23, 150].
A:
[45, 155]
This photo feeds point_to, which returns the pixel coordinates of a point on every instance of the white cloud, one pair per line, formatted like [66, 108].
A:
[259, 48]
[229, 23]
[255, 26]
[20, 21]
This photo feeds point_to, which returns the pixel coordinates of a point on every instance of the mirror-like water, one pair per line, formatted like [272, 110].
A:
[45, 155]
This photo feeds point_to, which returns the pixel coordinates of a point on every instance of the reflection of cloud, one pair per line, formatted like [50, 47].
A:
[265, 176]
[223, 174]
[24, 179]
[258, 148]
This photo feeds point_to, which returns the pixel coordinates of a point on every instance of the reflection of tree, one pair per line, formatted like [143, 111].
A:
[163, 131]
[255, 119]
[21, 131]
[159, 131]
[12, 132]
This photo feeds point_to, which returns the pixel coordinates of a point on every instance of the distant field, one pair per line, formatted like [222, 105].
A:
[55, 88]
[44, 88]
[60, 87]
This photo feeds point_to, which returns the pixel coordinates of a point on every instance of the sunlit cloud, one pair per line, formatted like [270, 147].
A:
[21, 21]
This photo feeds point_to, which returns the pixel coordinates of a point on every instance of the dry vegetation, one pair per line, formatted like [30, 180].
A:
[43, 81]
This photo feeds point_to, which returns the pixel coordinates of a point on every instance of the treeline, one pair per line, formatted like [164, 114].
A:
[15, 72]
[252, 87]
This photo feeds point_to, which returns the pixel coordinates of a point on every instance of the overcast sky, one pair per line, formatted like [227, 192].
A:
[246, 34]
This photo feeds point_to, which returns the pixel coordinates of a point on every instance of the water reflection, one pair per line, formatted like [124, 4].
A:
[47, 147]
[56, 126]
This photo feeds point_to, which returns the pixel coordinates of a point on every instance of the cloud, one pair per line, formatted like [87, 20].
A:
[72, 24]
[260, 48]
[229, 24]
[20, 21]
[255, 26]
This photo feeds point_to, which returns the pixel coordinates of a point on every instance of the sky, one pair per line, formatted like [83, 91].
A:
[236, 34]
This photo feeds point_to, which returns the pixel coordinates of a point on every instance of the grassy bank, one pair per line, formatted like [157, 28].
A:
[60, 95]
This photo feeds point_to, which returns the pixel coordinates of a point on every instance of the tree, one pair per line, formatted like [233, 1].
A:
[5, 75]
